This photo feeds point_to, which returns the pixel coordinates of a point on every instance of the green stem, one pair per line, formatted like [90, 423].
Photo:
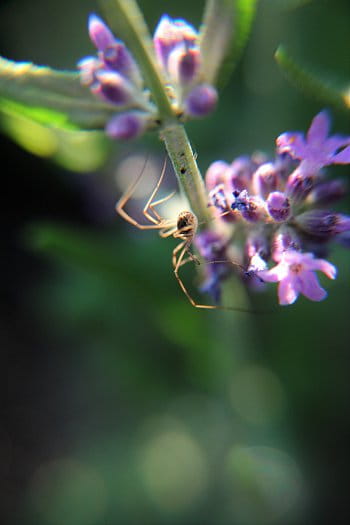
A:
[190, 180]
[126, 20]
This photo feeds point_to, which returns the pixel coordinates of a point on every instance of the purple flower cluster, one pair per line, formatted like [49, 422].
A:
[114, 76]
[279, 210]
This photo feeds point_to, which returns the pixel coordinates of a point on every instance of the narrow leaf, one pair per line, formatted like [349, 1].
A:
[51, 97]
[224, 33]
[328, 91]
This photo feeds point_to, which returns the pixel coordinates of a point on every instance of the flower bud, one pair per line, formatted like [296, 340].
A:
[113, 88]
[128, 125]
[278, 206]
[299, 186]
[322, 223]
[327, 192]
[218, 198]
[238, 174]
[265, 179]
[168, 34]
[201, 100]
[118, 58]
[183, 64]
[252, 208]
[88, 67]
[99, 33]
[215, 174]
[212, 247]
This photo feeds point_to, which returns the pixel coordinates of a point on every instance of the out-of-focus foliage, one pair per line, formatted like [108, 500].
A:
[79, 151]
[50, 97]
[121, 402]
[235, 19]
[42, 110]
[324, 89]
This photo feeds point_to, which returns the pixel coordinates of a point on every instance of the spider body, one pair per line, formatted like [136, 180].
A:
[183, 228]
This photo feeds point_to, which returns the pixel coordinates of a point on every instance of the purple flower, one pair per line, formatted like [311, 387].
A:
[265, 179]
[323, 223]
[317, 149]
[172, 33]
[327, 192]
[212, 247]
[215, 173]
[278, 206]
[100, 34]
[128, 125]
[201, 100]
[296, 274]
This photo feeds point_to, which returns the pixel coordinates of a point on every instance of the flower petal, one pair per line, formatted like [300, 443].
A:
[319, 129]
[287, 291]
[277, 273]
[324, 266]
[292, 143]
[343, 157]
[310, 287]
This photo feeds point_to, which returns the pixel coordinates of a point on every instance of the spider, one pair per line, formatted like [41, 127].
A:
[183, 228]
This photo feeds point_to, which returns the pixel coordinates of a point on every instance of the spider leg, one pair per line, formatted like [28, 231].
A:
[179, 261]
[157, 223]
[152, 205]
[166, 232]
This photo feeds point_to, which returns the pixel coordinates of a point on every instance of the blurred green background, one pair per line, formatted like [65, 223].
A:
[120, 402]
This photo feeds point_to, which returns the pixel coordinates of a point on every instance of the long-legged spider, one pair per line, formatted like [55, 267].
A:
[183, 228]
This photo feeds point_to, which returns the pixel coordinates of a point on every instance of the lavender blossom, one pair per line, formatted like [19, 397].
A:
[276, 208]
[114, 76]
[212, 247]
[296, 274]
[317, 149]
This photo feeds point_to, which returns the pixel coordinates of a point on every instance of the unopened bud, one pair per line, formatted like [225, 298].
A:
[278, 206]
[99, 33]
[215, 174]
[322, 223]
[168, 34]
[265, 179]
[118, 58]
[299, 186]
[113, 88]
[327, 192]
[183, 64]
[127, 126]
[201, 100]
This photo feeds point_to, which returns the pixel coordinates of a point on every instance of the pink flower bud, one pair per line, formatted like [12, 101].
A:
[99, 33]
[201, 100]
[127, 126]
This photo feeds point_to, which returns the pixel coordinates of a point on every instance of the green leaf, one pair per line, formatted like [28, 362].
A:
[80, 151]
[224, 34]
[51, 97]
[329, 91]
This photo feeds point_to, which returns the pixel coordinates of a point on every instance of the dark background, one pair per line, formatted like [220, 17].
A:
[119, 402]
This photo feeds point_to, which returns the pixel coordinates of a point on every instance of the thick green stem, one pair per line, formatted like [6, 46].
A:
[190, 180]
